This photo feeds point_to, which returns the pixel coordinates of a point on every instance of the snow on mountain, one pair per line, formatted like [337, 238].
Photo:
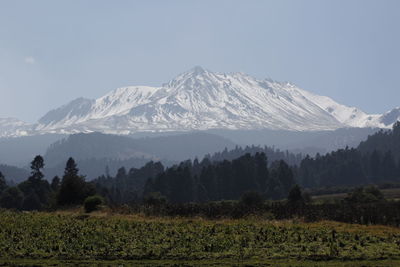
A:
[349, 116]
[200, 99]
[390, 117]
[10, 127]
[69, 113]
[80, 111]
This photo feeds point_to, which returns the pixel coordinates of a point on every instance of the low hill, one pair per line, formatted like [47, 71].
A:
[95, 151]
[14, 174]
[374, 161]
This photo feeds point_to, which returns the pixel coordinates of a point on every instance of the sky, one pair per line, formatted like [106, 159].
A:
[52, 52]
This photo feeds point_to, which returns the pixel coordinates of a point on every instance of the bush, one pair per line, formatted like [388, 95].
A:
[11, 198]
[92, 203]
[295, 195]
[369, 194]
[251, 199]
[155, 199]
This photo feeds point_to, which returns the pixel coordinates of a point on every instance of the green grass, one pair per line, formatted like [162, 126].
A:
[152, 263]
[52, 238]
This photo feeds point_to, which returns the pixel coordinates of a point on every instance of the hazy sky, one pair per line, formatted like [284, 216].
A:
[54, 51]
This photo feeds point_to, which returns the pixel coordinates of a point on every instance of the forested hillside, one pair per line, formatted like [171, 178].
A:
[228, 174]
[13, 174]
[127, 186]
[96, 152]
[271, 153]
[376, 160]
[225, 175]
[383, 141]
[202, 181]
[100, 146]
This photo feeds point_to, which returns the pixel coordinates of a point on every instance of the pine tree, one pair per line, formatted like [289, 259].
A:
[55, 183]
[3, 183]
[36, 165]
[71, 168]
[36, 190]
[73, 189]
[295, 196]
[285, 176]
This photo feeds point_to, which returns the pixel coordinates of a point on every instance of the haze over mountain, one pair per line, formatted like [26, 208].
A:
[92, 150]
[201, 100]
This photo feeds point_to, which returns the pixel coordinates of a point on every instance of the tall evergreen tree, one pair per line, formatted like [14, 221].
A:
[36, 166]
[36, 190]
[295, 196]
[55, 183]
[3, 183]
[71, 168]
[285, 176]
[73, 189]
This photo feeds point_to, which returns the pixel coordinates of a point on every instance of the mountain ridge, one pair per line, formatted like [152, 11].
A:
[201, 100]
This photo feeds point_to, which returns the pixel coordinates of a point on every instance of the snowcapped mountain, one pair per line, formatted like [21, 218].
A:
[13, 127]
[389, 117]
[200, 99]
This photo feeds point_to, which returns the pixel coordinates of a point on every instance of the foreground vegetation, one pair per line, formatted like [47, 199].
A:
[219, 263]
[242, 211]
[102, 236]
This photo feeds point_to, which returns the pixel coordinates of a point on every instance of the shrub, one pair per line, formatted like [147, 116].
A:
[92, 203]
[369, 194]
[155, 199]
[11, 198]
[295, 195]
[251, 199]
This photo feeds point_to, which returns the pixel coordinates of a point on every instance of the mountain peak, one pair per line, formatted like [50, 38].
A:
[199, 100]
[76, 107]
[197, 70]
[196, 75]
[391, 116]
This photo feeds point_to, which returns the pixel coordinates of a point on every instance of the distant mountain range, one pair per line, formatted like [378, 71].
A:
[201, 100]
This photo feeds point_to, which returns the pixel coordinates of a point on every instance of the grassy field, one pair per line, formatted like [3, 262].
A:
[219, 263]
[101, 237]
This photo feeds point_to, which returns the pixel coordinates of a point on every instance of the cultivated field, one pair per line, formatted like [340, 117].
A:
[51, 238]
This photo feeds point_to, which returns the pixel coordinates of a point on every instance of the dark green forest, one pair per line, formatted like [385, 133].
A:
[225, 176]
[374, 161]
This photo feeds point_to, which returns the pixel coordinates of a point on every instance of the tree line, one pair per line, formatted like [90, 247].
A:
[214, 178]
[374, 161]
[271, 153]
[194, 181]
[36, 193]
[190, 181]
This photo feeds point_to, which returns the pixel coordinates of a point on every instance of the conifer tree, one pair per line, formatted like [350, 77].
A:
[36, 166]
[3, 183]
[285, 176]
[73, 189]
[36, 190]
[295, 195]
[55, 183]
